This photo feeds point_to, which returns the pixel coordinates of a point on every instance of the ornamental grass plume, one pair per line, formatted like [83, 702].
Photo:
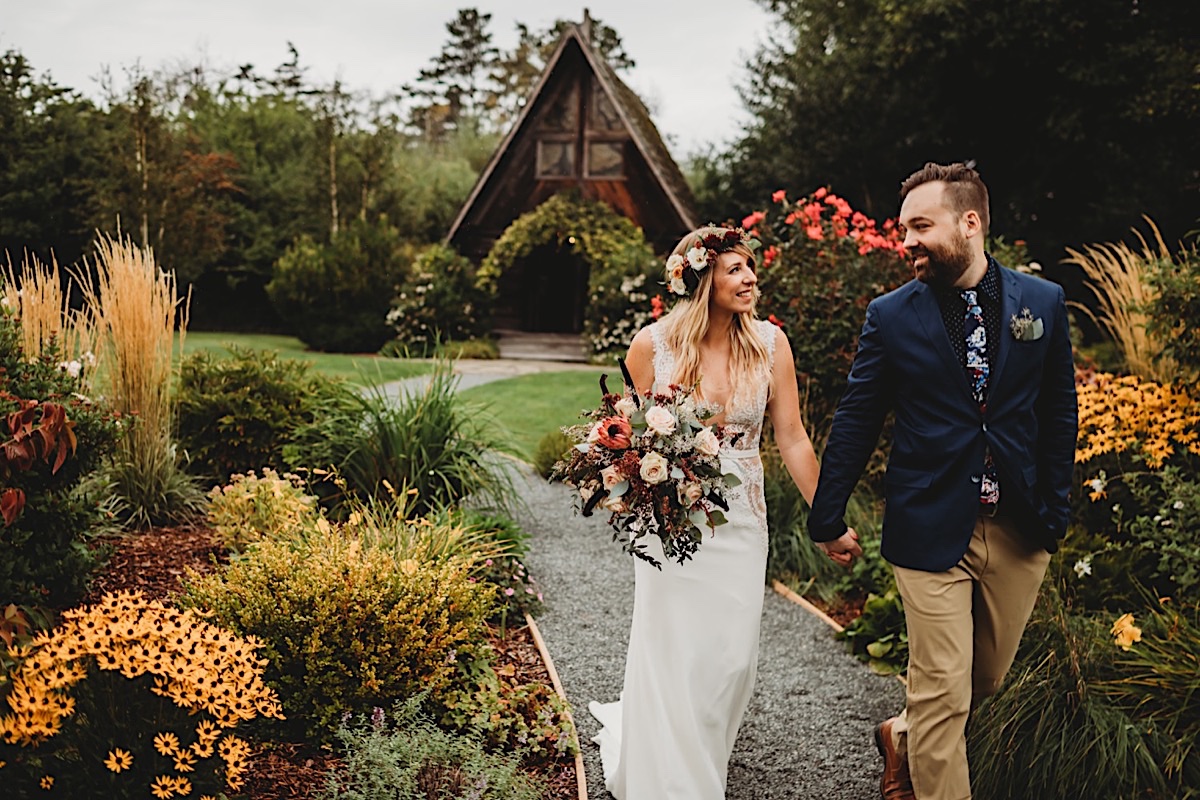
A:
[133, 306]
[129, 697]
[1119, 278]
[35, 294]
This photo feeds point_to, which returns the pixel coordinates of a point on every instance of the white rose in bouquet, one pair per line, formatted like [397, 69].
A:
[625, 406]
[611, 476]
[661, 421]
[689, 494]
[654, 468]
[707, 443]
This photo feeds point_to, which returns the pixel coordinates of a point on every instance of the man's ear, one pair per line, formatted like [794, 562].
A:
[972, 222]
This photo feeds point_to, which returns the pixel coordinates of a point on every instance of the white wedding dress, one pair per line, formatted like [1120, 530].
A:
[693, 644]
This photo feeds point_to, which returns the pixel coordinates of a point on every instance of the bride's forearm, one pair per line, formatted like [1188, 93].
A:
[801, 461]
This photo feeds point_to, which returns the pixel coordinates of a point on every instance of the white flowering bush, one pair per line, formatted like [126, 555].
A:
[439, 301]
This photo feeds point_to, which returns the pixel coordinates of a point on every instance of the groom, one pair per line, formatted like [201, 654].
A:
[975, 361]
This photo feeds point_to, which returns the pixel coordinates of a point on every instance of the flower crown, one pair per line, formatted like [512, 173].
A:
[683, 270]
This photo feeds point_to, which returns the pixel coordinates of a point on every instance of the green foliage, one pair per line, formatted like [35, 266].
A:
[409, 758]
[879, 636]
[46, 560]
[510, 716]
[1173, 313]
[821, 264]
[792, 557]
[1142, 533]
[484, 349]
[622, 267]
[236, 413]
[550, 449]
[1056, 731]
[152, 487]
[517, 593]
[424, 442]
[251, 508]
[438, 301]
[346, 624]
[334, 297]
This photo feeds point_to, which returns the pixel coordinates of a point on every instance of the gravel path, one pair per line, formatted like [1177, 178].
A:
[808, 731]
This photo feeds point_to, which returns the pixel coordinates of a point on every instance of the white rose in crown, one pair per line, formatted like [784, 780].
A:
[675, 265]
[625, 407]
[678, 286]
[654, 468]
[707, 443]
[698, 258]
[661, 421]
[611, 476]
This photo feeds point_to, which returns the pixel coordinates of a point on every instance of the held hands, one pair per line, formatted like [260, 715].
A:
[842, 549]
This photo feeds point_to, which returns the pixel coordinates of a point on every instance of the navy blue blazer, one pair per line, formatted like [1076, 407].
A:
[906, 364]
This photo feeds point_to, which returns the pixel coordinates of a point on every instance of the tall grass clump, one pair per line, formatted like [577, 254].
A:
[1056, 731]
[35, 294]
[1119, 278]
[426, 443]
[133, 305]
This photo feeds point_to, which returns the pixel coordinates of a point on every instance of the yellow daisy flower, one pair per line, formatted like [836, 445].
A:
[163, 787]
[118, 760]
[47, 782]
[166, 743]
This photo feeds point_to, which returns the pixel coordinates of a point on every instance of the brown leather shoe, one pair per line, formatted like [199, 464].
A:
[896, 784]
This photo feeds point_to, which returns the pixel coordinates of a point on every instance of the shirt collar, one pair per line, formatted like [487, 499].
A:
[989, 285]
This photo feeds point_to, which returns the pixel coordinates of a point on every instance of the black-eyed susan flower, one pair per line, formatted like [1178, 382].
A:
[118, 760]
[163, 787]
[166, 743]
[47, 782]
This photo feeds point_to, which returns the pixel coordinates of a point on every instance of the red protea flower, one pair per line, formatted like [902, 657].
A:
[615, 433]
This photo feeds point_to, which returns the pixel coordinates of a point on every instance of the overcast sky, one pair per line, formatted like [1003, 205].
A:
[690, 54]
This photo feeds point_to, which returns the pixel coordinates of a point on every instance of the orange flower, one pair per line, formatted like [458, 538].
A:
[752, 220]
[778, 196]
[615, 433]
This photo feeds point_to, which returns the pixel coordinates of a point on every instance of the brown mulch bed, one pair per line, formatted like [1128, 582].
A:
[155, 562]
[843, 610]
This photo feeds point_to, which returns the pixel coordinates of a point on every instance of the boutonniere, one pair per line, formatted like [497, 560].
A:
[1025, 328]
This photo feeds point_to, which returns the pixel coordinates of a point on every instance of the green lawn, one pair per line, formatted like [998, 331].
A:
[353, 367]
[529, 406]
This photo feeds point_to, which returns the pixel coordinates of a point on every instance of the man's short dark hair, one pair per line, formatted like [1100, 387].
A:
[965, 190]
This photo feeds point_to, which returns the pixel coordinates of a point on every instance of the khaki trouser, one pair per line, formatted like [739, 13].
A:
[964, 626]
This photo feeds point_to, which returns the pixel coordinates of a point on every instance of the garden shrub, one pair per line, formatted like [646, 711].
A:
[127, 696]
[335, 297]
[47, 511]
[407, 757]
[439, 301]
[347, 625]
[879, 636]
[512, 716]
[622, 267]
[427, 443]
[551, 449]
[250, 508]
[236, 413]
[484, 349]
[517, 593]
[1172, 314]
[820, 265]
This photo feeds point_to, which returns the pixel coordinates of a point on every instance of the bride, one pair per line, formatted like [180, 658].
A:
[693, 644]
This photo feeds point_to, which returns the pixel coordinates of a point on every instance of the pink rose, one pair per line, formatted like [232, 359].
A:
[611, 476]
[706, 442]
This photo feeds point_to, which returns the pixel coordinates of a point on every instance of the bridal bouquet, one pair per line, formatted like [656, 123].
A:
[653, 463]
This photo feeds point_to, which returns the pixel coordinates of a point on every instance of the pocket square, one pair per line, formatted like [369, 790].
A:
[1025, 328]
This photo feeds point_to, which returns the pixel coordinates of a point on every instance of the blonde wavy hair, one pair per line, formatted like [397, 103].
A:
[688, 320]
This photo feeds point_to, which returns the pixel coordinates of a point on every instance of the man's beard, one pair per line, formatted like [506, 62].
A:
[943, 265]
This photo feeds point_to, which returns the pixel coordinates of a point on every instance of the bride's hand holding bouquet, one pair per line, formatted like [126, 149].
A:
[653, 462]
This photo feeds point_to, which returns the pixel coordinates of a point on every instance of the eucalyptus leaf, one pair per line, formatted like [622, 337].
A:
[731, 480]
[618, 490]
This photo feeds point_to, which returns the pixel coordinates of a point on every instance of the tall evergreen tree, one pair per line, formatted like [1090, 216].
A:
[455, 88]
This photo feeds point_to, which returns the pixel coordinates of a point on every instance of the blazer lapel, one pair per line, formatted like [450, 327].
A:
[929, 314]
[1010, 303]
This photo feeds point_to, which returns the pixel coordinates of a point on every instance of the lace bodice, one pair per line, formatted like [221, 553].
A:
[746, 417]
